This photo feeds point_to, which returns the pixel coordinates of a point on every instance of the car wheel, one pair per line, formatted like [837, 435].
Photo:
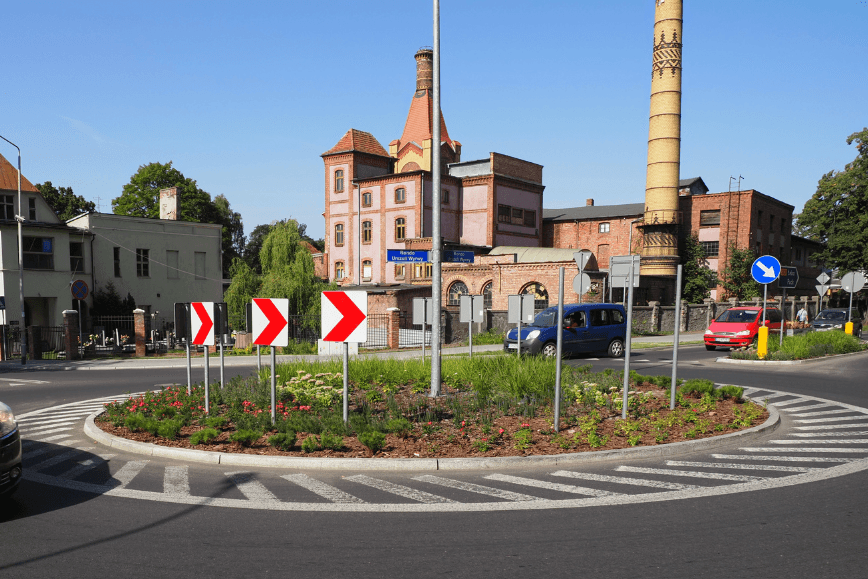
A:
[616, 348]
[549, 350]
[710, 348]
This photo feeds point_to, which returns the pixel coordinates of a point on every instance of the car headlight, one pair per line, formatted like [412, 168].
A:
[7, 420]
[709, 333]
[743, 333]
[532, 335]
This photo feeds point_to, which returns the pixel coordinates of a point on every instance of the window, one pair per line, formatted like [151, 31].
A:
[783, 225]
[400, 271]
[503, 213]
[400, 229]
[599, 317]
[486, 295]
[797, 254]
[172, 264]
[400, 195]
[517, 216]
[142, 263]
[117, 257]
[31, 206]
[339, 235]
[711, 248]
[339, 181]
[367, 266]
[38, 252]
[444, 196]
[76, 257]
[456, 290]
[530, 218]
[759, 219]
[771, 223]
[7, 207]
[712, 280]
[422, 270]
[710, 217]
[541, 296]
[367, 199]
[367, 232]
[199, 264]
[604, 227]
[615, 317]
[339, 270]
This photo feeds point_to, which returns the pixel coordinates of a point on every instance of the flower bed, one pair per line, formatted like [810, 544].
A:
[481, 414]
[804, 346]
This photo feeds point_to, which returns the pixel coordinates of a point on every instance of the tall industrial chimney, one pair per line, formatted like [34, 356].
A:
[424, 69]
[660, 227]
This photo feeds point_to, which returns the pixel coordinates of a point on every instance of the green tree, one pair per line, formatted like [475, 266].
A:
[258, 235]
[108, 302]
[737, 279]
[243, 288]
[695, 274]
[64, 202]
[837, 214]
[233, 232]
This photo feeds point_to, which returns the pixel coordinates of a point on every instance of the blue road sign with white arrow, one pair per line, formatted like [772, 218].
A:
[765, 269]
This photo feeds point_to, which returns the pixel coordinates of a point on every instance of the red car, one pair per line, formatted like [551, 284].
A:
[738, 327]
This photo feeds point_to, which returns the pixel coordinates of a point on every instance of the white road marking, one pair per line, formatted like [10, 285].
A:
[41, 422]
[639, 361]
[829, 427]
[541, 484]
[399, 490]
[127, 473]
[806, 434]
[798, 449]
[796, 401]
[814, 420]
[823, 413]
[771, 396]
[803, 408]
[625, 480]
[784, 458]
[475, 488]
[322, 489]
[44, 431]
[741, 466]
[60, 458]
[689, 473]
[85, 466]
[23, 381]
[52, 438]
[251, 488]
[176, 481]
[821, 441]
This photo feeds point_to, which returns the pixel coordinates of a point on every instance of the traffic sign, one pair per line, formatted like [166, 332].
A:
[582, 258]
[344, 316]
[822, 288]
[853, 282]
[823, 278]
[789, 277]
[407, 256]
[455, 256]
[423, 311]
[520, 309]
[471, 309]
[619, 270]
[582, 283]
[270, 317]
[2, 302]
[79, 289]
[765, 269]
[202, 323]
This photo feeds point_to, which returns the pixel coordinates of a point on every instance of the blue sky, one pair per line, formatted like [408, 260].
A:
[244, 97]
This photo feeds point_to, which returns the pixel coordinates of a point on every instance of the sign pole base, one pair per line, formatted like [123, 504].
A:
[346, 358]
[273, 384]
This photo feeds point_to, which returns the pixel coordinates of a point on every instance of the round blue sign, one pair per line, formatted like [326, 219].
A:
[79, 289]
[765, 269]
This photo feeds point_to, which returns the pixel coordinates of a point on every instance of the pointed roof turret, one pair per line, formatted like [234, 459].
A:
[359, 142]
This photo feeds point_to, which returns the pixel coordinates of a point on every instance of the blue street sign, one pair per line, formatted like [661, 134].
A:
[458, 256]
[2, 302]
[79, 289]
[407, 256]
[765, 269]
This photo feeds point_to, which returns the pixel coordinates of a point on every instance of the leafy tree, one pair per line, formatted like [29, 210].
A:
[244, 287]
[108, 302]
[695, 273]
[64, 202]
[737, 279]
[258, 235]
[837, 214]
[233, 232]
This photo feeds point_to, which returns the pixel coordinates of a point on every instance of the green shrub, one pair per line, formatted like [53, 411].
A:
[283, 440]
[399, 426]
[205, 435]
[169, 429]
[734, 392]
[245, 437]
[214, 421]
[311, 444]
[698, 386]
[331, 441]
[373, 439]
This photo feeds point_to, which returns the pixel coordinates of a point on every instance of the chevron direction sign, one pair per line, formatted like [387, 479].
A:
[345, 316]
[202, 323]
[270, 318]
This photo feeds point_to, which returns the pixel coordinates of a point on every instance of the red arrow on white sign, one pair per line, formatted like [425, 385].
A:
[270, 318]
[202, 323]
[345, 316]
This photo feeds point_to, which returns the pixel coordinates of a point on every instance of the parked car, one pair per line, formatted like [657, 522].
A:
[587, 328]
[836, 319]
[10, 452]
[738, 327]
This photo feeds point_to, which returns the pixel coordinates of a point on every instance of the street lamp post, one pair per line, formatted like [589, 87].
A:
[19, 219]
[436, 239]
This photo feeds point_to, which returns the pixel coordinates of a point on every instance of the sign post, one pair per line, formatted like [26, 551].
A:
[269, 319]
[471, 309]
[79, 291]
[582, 282]
[182, 329]
[675, 343]
[765, 269]
[520, 308]
[620, 267]
[789, 279]
[628, 295]
[823, 280]
[202, 329]
[560, 322]
[345, 319]
[852, 282]
[423, 313]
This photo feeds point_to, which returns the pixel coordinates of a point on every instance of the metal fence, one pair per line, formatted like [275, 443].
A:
[304, 328]
[410, 335]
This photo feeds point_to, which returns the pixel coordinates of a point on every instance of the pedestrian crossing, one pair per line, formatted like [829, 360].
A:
[57, 453]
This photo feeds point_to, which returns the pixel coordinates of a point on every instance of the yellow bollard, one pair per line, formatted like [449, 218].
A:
[762, 345]
[848, 328]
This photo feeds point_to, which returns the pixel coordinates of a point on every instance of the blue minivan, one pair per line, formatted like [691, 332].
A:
[587, 328]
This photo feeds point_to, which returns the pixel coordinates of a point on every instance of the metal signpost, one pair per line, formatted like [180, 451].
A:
[202, 330]
[471, 309]
[344, 319]
[79, 291]
[560, 350]
[765, 270]
[675, 343]
[423, 314]
[520, 309]
[221, 328]
[182, 329]
[852, 282]
[822, 288]
[582, 282]
[269, 321]
[631, 280]
[789, 279]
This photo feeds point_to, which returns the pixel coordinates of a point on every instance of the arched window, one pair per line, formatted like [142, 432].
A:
[456, 290]
[540, 295]
[339, 181]
[400, 229]
[400, 195]
[339, 235]
[367, 232]
[367, 199]
[486, 295]
[366, 269]
[339, 270]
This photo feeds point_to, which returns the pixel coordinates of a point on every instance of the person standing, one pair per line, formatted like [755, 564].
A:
[802, 315]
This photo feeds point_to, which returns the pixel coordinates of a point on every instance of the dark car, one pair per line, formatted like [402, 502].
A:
[587, 328]
[10, 452]
[836, 319]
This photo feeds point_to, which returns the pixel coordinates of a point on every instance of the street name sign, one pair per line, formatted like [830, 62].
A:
[344, 316]
[765, 269]
[202, 323]
[407, 256]
[789, 277]
[270, 319]
[456, 256]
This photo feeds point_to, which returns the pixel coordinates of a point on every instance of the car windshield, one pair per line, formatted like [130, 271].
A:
[738, 316]
[546, 318]
[831, 316]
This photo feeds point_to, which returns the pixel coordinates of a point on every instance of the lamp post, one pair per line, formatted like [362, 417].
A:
[19, 219]
[436, 239]
[359, 244]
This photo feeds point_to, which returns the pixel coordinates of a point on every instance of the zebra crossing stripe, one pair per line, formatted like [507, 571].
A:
[821, 441]
[626, 481]
[51, 438]
[475, 488]
[742, 466]
[252, 488]
[85, 466]
[806, 434]
[799, 449]
[803, 408]
[127, 473]
[60, 458]
[814, 420]
[322, 489]
[176, 481]
[823, 413]
[399, 490]
[690, 473]
[794, 401]
[784, 458]
[829, 427]
[576, 490]
[71, 414]
[32, 423]
[43, 432]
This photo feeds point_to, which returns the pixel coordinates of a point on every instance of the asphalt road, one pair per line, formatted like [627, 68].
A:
[816, 529]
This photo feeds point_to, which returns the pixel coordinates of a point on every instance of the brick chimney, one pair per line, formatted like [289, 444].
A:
[169, 203]
[425, 69]
[589, 202]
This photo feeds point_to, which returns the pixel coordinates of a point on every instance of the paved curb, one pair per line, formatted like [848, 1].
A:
[415, 464]
[785, 362]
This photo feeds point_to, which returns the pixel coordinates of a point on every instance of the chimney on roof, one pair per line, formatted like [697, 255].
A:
[169, 203]
[589, 202]
[425, 69]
